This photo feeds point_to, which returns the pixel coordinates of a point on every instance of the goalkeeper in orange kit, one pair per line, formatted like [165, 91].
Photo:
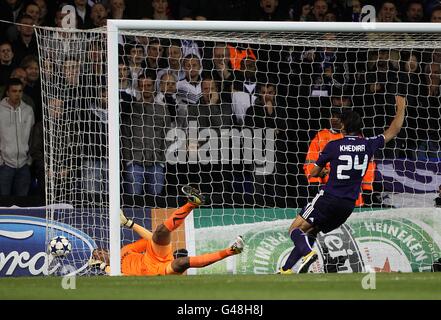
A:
[152, 254]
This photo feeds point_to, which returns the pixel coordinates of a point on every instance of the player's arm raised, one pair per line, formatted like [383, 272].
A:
[397, 122]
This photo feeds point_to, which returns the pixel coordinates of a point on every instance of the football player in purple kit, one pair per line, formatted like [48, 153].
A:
[348, 158]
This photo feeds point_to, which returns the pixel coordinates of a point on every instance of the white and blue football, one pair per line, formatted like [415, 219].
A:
[60, 246]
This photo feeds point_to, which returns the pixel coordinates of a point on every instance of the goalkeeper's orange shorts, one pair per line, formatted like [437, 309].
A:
[140, 259]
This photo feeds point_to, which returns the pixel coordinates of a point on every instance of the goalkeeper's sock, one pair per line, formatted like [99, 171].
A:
[302, 246]
[209, 258]
[178, 216]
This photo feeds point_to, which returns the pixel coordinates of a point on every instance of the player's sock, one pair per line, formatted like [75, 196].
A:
[178, 216]
[302, 248]
[311, 240]
[209, 258]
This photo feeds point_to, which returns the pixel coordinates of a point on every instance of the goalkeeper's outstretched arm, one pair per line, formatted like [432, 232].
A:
[398, 121]
[128, 223]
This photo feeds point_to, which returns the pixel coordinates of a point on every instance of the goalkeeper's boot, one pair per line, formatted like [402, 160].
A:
[238, 245]
[194, 195]
[124, 221]
[285, 272]
[307, 260]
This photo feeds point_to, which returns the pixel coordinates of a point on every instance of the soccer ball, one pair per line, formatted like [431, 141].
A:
[60, 246]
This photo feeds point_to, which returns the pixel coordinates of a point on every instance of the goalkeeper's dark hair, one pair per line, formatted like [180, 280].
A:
[351, 121]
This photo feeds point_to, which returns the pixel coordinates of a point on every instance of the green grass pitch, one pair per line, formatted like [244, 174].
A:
[228, 287]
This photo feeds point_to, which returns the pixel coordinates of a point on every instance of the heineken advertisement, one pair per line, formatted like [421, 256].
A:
[393, 240]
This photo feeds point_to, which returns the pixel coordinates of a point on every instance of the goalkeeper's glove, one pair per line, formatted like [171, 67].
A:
[124, 221]
[97, 264]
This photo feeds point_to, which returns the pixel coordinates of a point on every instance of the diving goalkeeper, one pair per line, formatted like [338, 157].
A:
[152, 254]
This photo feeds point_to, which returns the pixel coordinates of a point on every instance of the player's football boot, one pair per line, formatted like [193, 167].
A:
[307, 260]
[238, 245]
[193, 195]
[284, 272]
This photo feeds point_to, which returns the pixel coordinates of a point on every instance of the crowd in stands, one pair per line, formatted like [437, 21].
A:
[93, 13]
[170, 83]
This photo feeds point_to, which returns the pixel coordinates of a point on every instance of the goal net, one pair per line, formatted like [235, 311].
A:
[235, 114]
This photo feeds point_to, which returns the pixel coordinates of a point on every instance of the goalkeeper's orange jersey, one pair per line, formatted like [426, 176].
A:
[317, 145]
[139, 258]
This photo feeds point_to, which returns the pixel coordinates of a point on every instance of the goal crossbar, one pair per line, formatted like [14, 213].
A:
[275, 26]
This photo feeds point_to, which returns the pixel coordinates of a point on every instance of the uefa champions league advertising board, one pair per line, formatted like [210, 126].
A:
[393, 240]
[23, 248]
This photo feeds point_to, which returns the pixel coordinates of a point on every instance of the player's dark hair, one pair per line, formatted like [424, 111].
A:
[351, 121]
[13, 82]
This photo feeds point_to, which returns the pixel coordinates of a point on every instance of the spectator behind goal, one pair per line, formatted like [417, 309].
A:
[16, 123]
[266, 114]
[7, 64]
[143, 141]
[244, 93]
[189, 88]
